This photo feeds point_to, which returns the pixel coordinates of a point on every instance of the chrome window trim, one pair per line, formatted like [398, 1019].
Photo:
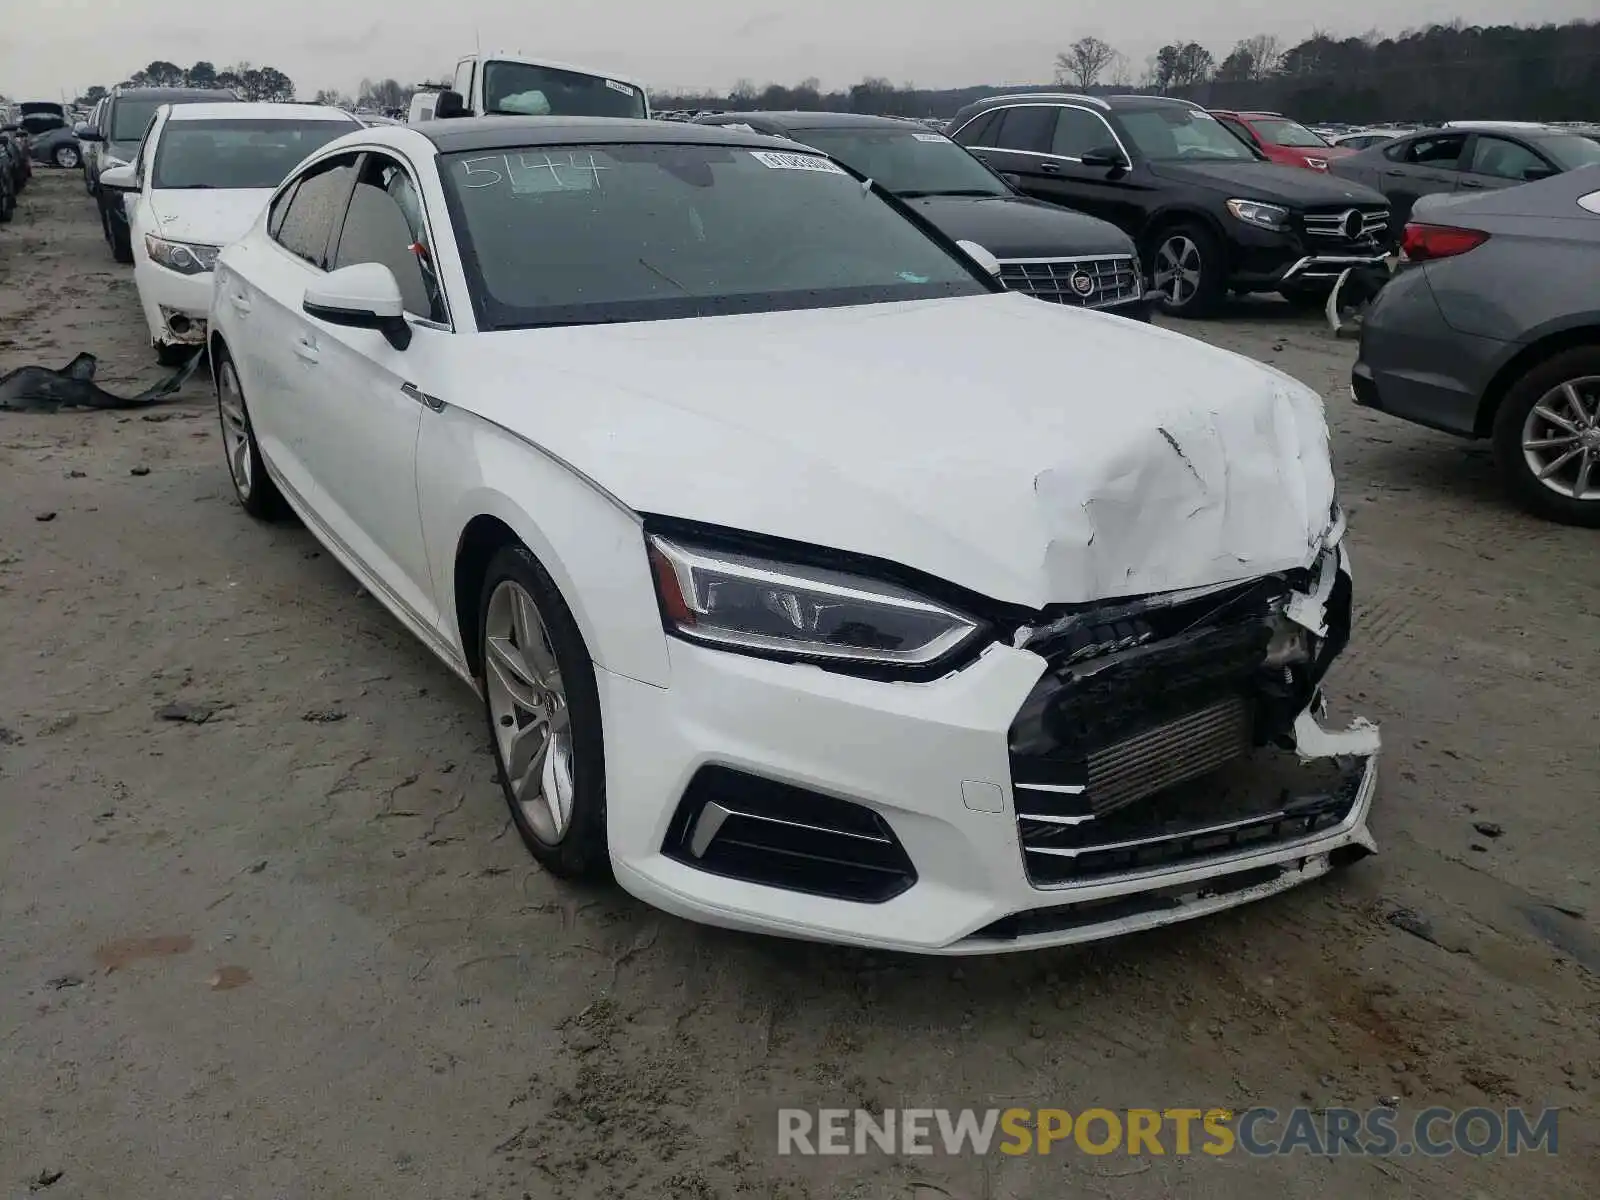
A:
[1040, 153]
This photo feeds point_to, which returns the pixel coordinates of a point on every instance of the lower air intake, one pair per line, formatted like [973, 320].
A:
[742, 826]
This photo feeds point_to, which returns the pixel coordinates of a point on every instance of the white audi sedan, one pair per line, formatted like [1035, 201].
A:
[812, 583]
[202, 175]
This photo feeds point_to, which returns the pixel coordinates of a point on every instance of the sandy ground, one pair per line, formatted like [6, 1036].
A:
[294, 952]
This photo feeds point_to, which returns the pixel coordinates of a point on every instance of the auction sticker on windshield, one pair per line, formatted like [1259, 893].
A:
[619, 87]
[795, 162]
[929, 137]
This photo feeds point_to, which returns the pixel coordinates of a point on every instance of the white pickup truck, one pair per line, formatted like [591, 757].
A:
[516, 85]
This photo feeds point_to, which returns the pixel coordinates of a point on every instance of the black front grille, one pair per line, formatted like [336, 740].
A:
[1146, 743]
[745, 827]
[1083, 282]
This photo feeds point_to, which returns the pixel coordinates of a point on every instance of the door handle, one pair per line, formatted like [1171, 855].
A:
[1050, 168]
[432, 403]
[1392, 172]
[240, 304]
[1470, 183]
[305, 350]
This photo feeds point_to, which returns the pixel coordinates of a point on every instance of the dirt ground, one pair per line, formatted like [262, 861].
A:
[294, 951]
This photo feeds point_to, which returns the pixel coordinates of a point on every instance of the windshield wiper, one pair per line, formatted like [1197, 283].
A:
[187, 187]
[919, 194]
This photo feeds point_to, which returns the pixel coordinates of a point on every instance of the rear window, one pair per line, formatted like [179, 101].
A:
[584, 234]
[529, 90]
[1569, 151]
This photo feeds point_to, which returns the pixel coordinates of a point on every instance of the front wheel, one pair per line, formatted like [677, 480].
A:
[1187, 271]
[544, 716]
[67, 158]
[1547, 438]
[257, 494]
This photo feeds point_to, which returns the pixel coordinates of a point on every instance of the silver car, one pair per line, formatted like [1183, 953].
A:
[1491, 329]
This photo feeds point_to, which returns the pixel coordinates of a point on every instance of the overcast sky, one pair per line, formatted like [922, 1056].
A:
[64, 46]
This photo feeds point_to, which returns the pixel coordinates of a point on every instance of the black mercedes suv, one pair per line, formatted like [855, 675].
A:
[1210, 214]
[1043, 250]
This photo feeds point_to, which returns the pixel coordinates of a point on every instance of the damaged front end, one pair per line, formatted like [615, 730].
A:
[1170, 760]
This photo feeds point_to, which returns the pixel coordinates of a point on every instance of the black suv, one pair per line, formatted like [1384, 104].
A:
[1210, 213]
[1043, 250]
[124, 118]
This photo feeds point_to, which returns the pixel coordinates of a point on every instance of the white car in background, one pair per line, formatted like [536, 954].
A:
[203, 174]
[804, 590]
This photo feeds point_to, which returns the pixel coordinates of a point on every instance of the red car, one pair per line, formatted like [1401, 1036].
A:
[1280, 139]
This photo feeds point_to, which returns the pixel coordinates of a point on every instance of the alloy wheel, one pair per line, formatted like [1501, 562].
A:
[1177, 269]
[528, 709]
[235, 429]
[66, 157]
[1561, 439]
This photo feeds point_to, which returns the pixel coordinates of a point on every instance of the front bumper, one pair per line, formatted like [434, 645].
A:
[933, 765]
[177, 307]
[1265, 260]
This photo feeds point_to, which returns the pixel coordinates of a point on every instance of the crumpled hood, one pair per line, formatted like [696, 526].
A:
[207, 216]
[1033, 453]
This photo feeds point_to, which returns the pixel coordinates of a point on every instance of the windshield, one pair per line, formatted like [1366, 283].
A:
[1280, 131]
[129, 117]
[1171, 132]
[527, 90]
[587, 234]
[1569, 151]
[907, 162]
[247, 153]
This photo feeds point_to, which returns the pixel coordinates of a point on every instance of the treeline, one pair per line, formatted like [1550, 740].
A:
[1443, 72]
[251, 82]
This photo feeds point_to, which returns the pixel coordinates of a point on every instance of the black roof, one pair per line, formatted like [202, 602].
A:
[799, 119]
[505, 133]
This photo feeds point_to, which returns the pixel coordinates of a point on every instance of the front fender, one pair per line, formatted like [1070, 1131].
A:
[591, 545]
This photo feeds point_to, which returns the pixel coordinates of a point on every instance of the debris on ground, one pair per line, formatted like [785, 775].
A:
[192, 714]
[45, 390]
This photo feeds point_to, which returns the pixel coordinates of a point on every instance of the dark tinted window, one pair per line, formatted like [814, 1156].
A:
[316, 207]
[385, 225]
[1235, 126]
[1436, 150]
[1026, 128]
[1079, 131]
[522, 88]
[129, 116]
[978, 129]
[581, 234]
[1174, 132]
[908, 162]
[252, 153]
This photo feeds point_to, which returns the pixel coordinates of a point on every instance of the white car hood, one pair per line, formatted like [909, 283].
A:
[206, 216]
[1028, 452]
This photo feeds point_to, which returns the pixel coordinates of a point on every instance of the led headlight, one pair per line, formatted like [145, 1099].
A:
[785, 610]
[1254, 212]
[186, 258]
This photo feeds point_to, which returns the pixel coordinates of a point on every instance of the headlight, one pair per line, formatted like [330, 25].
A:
[111, 160]
[185, 258]
[1254, 212]
[783, 610]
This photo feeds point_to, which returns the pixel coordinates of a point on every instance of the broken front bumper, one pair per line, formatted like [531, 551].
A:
[1113, 769]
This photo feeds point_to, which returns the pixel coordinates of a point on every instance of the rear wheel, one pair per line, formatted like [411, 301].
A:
[544, 716]
[1547, 438]
[1187, 269]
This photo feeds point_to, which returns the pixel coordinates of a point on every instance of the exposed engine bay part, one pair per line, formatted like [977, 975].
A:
[41, 389]
[1180, 729]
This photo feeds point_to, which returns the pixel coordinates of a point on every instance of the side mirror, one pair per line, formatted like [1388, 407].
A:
[1104, 156]
[362, 296]
[981, 256]
[119, 179]
[449, 104]
[90, 133]
[81, 131]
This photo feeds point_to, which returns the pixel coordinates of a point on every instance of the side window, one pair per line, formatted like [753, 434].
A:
[385, 225]
[145, 152]
[1441, 151]
[1079, 131]
[1505, 159]
[318, 202]
[976, 132]
[1030, 128]
[280, 209]
[463, 80]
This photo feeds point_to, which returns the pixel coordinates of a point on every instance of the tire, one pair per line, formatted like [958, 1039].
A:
[1195, 249]
[68, 158]
[121, 240]
[256, 492]
[1547, 387]
[573, 846]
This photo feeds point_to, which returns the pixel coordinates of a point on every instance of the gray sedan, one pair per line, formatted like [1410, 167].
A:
[1491, 329]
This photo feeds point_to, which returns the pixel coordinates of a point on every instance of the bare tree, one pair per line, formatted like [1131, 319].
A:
[1265, 52]
[1083, 61]
[1120, 71]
